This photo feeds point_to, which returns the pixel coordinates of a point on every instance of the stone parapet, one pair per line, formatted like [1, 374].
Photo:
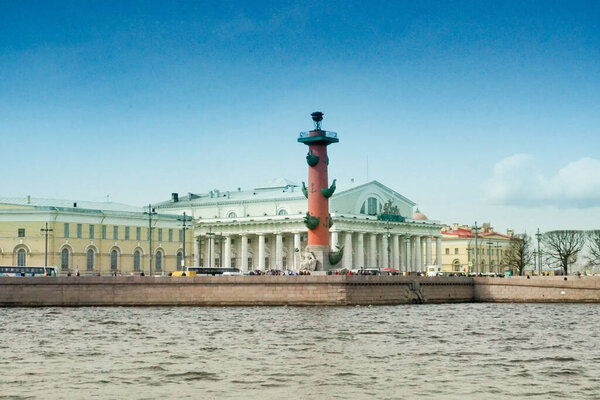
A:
[288, 290]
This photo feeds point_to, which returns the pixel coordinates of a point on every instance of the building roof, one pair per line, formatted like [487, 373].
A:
[79, 206]
[280, 189]
[463, 233]
[62, 203]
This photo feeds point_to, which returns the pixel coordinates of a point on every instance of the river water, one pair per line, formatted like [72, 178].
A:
[449, 351]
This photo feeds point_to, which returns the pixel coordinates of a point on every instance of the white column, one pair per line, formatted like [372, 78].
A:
[438, 251]
[384, 258]
[418, 254]
[227, 255]
[396, 252]
[244, 253]
[360, 250]
[297, 245]
[348, 250]
[261, 252]
[334, 240]
[278, 251]
[428, 254]
[197, 251]
[407, 254]
[211, 251]
[373, 251]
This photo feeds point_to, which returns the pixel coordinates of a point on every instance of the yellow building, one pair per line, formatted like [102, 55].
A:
[90, 237]
[463, 252]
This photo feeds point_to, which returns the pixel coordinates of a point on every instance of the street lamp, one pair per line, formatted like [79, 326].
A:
[476, 230]
[538, 235]
[490, 243]
[184, 219]
[45, 231]
[151, 211]
[387, 228]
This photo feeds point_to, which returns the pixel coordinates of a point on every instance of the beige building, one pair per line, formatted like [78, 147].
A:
[91, 237]
[464, 251]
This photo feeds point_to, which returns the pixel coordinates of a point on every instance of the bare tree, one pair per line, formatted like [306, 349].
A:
[518, 253]
[563, 247]
[594, 245]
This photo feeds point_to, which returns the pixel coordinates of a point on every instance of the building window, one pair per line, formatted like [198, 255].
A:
[137, 260]
[232, 214]
[160, 234]
[456, 250]
[250, 263]
[21, 258]
[126, 233]
[179, 260]
[114, 260]
[91, 231]
[67, 230]
[447, 251]
[64, 259]
[103, 231]
[21, 232]
[181, 235]
[159, 261]
[116, 232]
[138, 233]
[282, 212]
[79, 231]
[170, 235]
[90, 260]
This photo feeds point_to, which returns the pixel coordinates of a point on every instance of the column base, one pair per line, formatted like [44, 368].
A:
[316, 258]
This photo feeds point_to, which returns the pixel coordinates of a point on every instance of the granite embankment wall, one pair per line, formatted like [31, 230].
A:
[289, 290]
[545, 289]
[231, 290]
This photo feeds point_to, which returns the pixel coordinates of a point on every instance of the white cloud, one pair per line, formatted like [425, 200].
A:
[517, 181]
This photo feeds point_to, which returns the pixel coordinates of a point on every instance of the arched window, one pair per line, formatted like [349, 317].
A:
[90, 260]
[114, 260]
[136, 260]
[179, 261]
[21, 258]
[159, 260]
[232, 214]
[370, 207]
[64, 259]
[282, 212]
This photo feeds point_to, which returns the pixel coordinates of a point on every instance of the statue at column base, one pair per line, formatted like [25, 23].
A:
[318, 258]
[309, 261]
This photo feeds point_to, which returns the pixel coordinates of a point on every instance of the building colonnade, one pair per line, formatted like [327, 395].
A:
[407, 252]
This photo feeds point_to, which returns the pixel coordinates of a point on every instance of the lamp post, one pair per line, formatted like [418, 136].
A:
[151, 211]
[476, 230]
[490, 243]
[498, 256]
[469, 258]
[538, 235]
[45, 231]
[184, 219]
[387, 228]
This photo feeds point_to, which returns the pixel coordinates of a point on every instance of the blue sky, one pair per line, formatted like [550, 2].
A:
[484, 111]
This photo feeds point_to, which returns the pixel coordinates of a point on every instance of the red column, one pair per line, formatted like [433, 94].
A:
[318, 205]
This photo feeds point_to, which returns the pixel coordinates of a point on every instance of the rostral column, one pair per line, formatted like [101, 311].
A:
[317, 220]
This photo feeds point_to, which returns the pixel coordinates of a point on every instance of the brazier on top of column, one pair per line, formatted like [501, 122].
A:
[318, 220]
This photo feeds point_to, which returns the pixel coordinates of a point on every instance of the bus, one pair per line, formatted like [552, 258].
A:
[214, 271]
[11, 270]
